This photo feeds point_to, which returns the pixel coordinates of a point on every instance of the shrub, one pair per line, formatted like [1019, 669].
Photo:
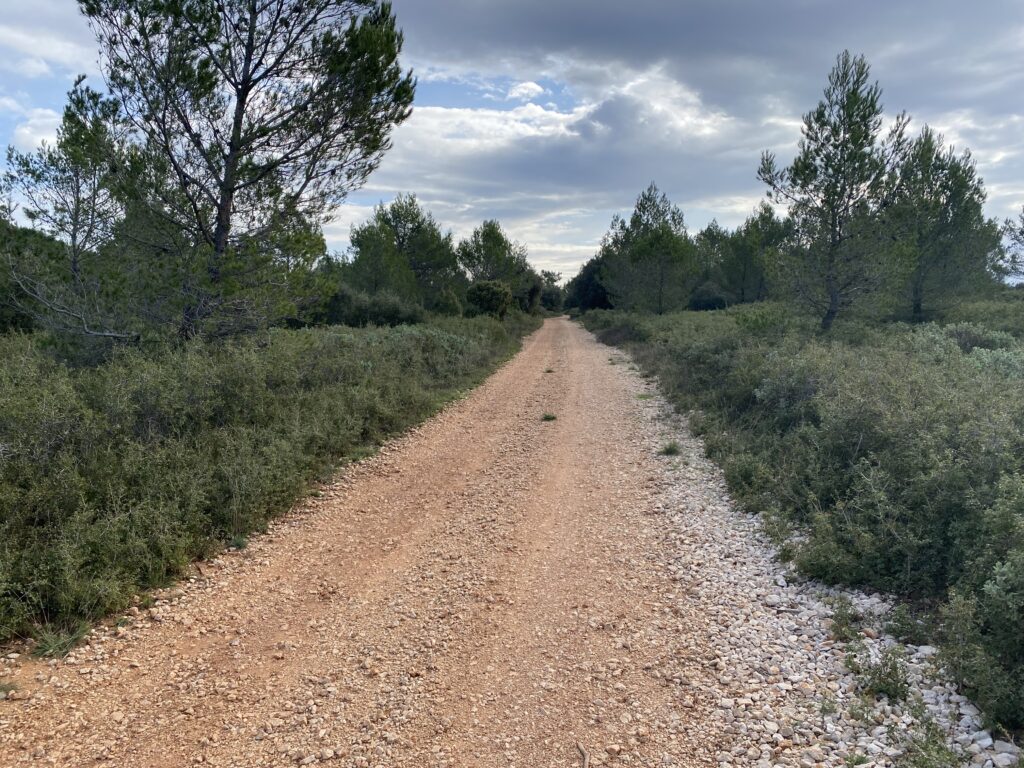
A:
[969, 336]
[884, 676]
[707, 296]
[490, 297]
[113, 478]
[448, 303]
[354, 308]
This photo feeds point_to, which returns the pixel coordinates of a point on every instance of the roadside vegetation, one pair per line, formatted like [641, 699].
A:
[858, 373]
[182, 353]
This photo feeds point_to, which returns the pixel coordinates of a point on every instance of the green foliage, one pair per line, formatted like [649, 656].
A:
[489, 255]
[350, 307]
[548, 417]
[403, 250]
[58, 642]
[707, 296]
[202, 217]
[490, 297]
[836, 188]
[929, 749]
[845, 620]
[587, 290]
[647, 260]
[884, 676]
[938, 216]
[894, 452]
[112, 478]
[552, 296]
[670, 449]
[909, 625]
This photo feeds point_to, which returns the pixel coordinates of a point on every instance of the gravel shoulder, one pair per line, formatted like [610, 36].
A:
[492, 589]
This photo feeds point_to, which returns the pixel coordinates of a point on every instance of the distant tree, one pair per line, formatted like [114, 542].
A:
[586, 290]
[488, 254]
[255, 115]
[377, 264]
[950, 247]
[743, 268]
[403, 248]
[648, 260]
[430, 252]
[1010, 262]
[491, 297]
[836, 188]
[711, 248]
[552, 295]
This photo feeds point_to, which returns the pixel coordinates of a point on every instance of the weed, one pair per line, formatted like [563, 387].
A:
[670, 449]
[908, 626]
[548, 417]
[826, 708]
[6, 688]
[845, 619]
[928, 749]
[238, 541]
[58, 642]
[886, 676]
[644, 396]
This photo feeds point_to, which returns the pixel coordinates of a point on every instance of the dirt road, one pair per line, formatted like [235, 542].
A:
[490, 590]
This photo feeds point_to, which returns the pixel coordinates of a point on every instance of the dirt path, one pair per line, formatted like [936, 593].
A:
[490, 590]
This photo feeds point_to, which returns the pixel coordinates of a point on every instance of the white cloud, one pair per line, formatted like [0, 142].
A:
[65, 49]
[527, 91]
[41, 125]
[29, 67]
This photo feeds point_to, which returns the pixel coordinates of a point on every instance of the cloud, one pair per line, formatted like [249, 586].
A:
[40, 125]
[30, 67]
[527, 91]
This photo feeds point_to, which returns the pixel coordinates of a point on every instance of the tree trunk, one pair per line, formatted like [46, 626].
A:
[831, 312]
[226, 201]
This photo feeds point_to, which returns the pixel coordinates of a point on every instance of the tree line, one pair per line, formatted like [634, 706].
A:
[188, 198]
[873, 219]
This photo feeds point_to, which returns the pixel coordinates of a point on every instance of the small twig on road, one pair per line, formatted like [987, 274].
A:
[584, 753]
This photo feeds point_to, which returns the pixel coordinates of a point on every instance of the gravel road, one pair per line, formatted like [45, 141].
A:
[490, 590]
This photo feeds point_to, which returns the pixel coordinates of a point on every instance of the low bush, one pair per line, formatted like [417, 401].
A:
[894, 452]
[348, 306]
[113, 478]
[490, 297]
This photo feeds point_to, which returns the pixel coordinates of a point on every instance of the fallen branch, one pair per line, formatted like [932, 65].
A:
[584, 753]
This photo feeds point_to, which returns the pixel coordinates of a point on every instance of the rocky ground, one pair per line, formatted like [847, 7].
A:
[493, 589]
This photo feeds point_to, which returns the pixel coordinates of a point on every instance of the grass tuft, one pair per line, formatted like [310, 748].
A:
[55, 642]
[548, 417]
[670, 449]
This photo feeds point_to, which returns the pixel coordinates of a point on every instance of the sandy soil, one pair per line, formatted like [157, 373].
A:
[490, 590]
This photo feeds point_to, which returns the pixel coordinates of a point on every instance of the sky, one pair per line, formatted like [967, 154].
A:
[553, 115]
